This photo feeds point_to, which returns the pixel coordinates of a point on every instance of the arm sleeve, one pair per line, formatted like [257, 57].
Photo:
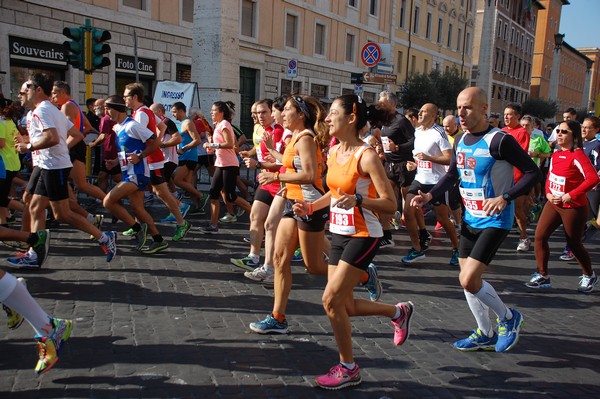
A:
[505, 147]
[408, 131]
[590, 176]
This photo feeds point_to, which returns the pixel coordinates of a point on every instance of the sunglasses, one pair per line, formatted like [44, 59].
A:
[563, 131]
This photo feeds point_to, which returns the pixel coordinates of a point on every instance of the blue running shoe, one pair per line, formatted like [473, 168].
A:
[538, 281]
[373, 285]
[476, 341]
[508, 331]
[184, 209]
[454, 258]
[246, 263]
[169, 219]
[270, 325]
[25, 262]
[297, 257]
[110, 246]
[413, 255]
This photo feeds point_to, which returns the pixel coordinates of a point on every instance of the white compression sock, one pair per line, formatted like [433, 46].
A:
[487, 294]
[14, 295]
[481, 313]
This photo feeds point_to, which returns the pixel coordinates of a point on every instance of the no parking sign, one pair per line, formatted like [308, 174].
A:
[370, 54]
[292, 69]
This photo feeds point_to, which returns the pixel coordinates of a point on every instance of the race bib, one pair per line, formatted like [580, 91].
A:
[473, 200]
[384, 142]
[556, 184]
[425, 166]
[122, 160]
[341, 221]
[259, 154]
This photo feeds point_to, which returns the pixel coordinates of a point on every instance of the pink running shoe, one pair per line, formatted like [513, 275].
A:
[339, 377]
[402, 323]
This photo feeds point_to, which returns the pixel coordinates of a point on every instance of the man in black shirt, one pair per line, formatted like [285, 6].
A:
[398, 142]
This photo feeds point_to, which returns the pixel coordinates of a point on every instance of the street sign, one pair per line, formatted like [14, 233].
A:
[358, 89]
[384, 68]
[356, 78]
[370, 54]
[383, 78]
[292, 69]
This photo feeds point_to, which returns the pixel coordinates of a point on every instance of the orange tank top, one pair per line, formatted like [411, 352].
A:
[291, 161]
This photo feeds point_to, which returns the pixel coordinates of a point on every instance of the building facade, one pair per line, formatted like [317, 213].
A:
[504, 45]
[593, 98]
[238, 49]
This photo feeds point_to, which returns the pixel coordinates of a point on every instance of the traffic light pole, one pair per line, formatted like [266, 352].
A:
[88, 84]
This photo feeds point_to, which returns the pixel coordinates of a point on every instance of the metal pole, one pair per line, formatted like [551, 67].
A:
[88, 84]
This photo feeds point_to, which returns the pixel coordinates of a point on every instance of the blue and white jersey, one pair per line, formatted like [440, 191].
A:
[131, 138]
[481, 177]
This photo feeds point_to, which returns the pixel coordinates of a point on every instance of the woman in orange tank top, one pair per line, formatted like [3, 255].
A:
[305, 117]
[359, 191]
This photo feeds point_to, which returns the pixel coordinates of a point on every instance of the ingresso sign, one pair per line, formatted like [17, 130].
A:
[126, 64]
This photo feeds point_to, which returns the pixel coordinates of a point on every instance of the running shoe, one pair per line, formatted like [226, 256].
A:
[246, 238]
[386, 243]
[178, 195]
[239, 212]
[425, 240]
[42, 246]
[228, 218]
[196, 211]
[270, 325]
[438, 226]
[524, 244]
[210, 229]
[508, 331]
[297, 257]
[373, 285]
[395, 220]
[567, 255]
[169, 219]
[587, 283]
[261, 274]
[184, 208]
[339, 377]
[454, 258]
[413, 255]
[129, 232]
[203, 201]
[245, 263]
[148, 198]
[538, 281]
[49, 347]
[477, 341]
[154, 247]
[97, 221]
[140, 236]
[13, 319]
[402, 323]
[25, 262]
[181, 231]
[21, 246]
[110, 246]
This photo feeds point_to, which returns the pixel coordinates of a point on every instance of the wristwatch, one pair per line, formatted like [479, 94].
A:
[506, 198]
[359, 200]
[28, 146]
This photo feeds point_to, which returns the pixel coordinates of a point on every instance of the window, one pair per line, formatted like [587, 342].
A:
[403, 14]
[399, 66]
[413, 64]
[286, 87]
[353, 3]
[440, 30]
[318, 91]
[291, 30]
[187, 10]
[248, 17]
[416, 21]
[183, 72]
[450, 27]
[425, 66]
[139, 4]
[428, 31]
[458, 42]
[373, 7]
[320, 39]
[468, 43]
[350, 38]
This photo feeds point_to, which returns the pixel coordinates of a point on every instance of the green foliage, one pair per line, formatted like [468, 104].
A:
[433, 87]
[543, 109]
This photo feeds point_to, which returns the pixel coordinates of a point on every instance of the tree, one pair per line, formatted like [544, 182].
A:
[544, 109]
[433, 87]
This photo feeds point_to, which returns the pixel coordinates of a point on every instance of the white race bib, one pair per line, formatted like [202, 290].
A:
[341, 221]
[425, 166]
[473, 200]
[556, 184]
[122, 160]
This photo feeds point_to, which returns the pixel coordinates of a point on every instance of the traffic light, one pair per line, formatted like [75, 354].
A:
[99, 48]
[75, 47]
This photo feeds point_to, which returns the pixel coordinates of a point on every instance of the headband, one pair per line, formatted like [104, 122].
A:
[116, 106]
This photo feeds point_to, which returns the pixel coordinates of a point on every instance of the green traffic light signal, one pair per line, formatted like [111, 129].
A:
[75, 47]
[99, 48]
